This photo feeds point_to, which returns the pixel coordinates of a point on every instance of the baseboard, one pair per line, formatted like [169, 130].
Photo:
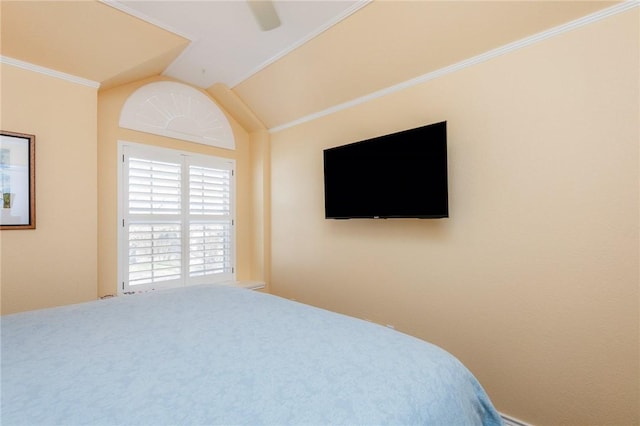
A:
[512, 421]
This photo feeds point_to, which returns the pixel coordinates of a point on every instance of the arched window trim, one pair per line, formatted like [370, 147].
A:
[178, 111]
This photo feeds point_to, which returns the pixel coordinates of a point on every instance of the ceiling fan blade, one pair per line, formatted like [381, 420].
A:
[265, 14]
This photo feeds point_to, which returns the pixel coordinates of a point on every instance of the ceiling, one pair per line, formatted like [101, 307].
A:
[227, 45]
[324, 54]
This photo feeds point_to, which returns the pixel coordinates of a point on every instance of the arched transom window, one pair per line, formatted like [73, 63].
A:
[177, 111]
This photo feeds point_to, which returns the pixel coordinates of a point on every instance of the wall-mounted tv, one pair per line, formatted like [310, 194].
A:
[400, 175]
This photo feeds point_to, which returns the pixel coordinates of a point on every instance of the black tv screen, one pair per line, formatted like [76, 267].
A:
[400, 175]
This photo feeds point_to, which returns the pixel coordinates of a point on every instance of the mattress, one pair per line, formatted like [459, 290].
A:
[220, 355]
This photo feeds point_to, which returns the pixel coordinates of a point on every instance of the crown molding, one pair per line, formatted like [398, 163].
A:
[49, 72]
[133, 12]
[483, 57]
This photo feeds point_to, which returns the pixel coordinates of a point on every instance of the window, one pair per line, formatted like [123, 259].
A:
[176, 218]
[176, 110]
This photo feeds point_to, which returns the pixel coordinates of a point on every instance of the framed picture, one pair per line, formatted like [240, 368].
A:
[17, 180]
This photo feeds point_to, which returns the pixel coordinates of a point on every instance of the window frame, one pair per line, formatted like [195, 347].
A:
[185, 158]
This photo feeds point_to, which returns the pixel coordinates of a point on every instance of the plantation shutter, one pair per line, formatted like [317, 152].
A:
[210, 220]
[154, 223]
[177, 219]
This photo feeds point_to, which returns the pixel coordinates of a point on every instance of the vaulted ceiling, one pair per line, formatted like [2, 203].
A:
[325, 53]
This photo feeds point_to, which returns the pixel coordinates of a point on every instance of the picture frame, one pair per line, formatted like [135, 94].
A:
[17, 180]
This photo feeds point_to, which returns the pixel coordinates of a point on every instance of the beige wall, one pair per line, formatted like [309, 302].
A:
[109, 106]
[261, 207]
[533, 280]
[56, 263]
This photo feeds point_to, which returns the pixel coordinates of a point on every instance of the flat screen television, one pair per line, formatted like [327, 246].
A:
[400, 175]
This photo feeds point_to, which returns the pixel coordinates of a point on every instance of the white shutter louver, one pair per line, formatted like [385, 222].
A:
[209, 248]
[154, 187]
[209, 191]
[154, 252]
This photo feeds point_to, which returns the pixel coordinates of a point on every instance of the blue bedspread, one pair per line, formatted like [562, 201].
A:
[212, 354]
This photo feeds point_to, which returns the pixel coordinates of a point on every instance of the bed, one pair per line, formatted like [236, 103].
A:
[215, 354]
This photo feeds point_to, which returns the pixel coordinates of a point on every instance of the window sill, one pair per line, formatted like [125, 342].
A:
[250, 285]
